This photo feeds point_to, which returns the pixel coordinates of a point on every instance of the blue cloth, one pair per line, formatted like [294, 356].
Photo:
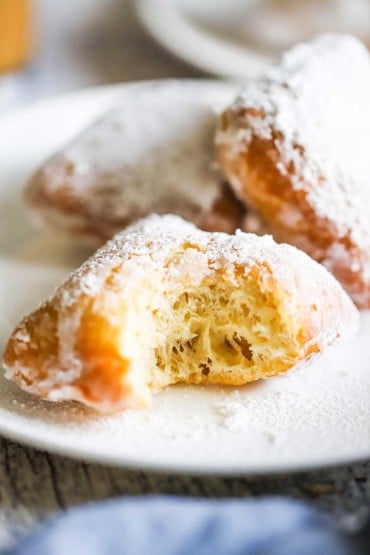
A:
[181, 526]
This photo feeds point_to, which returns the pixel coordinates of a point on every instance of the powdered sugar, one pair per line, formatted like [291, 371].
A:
[150, 245]
[152, 152]
[315, 106]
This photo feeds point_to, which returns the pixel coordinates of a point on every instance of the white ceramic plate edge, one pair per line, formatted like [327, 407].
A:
[132, 463]
[204, 51]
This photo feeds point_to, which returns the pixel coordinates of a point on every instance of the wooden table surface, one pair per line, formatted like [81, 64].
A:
[101, 42]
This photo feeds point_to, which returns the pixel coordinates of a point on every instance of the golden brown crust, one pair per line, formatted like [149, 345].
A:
[286, 213]
[61, 207]
[227, 213]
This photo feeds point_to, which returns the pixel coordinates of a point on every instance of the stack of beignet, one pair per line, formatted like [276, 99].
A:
[164, 302]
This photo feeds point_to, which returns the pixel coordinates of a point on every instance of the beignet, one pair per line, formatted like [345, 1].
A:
[163, 303]
[295, 146]
[153, 152]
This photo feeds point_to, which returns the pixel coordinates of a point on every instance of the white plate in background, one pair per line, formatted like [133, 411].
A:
[319, 416]
[239, 38]
[199, 32]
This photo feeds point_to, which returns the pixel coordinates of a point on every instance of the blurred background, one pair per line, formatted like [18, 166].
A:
[49, 46]
[59, 46]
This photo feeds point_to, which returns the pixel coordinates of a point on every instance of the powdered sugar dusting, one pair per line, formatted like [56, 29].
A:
[315, 105]
[152, 152]
[151, 244]
[288, 404]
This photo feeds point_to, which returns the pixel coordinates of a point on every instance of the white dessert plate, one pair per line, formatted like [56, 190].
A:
[316, 417]
[238, 38]
[212, 36]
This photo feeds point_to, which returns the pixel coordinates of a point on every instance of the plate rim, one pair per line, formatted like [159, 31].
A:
[178, 36]
[96, 90]
[136, 464]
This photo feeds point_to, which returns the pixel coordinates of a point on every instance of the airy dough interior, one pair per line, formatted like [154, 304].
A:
[221, 332]
[229, 329]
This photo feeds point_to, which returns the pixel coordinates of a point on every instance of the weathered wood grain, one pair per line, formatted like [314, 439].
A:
[34, 485]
